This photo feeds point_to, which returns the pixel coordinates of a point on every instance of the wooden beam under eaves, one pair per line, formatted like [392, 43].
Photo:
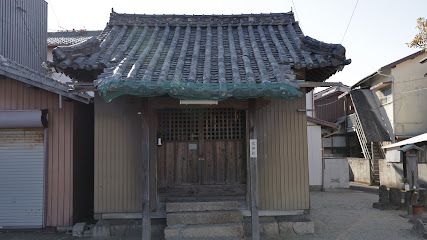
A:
[307, 84]
[80, 86]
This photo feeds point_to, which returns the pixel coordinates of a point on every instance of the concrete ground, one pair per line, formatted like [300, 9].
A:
[340, 215]
[348, 215]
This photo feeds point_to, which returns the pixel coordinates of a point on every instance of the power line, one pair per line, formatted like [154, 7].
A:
[348, 25]
[329, 103]
[28, 34]
[58, 23]
[33, 41]
[296, 14]
[410, 80]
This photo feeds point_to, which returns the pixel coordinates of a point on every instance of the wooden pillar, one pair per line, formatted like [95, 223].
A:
[253, 172]
[372, 164]
[145, 158]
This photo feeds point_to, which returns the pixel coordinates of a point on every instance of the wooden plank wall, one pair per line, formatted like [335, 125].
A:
[117, 156]
[283, 161]
[59, 199]
[282, 155]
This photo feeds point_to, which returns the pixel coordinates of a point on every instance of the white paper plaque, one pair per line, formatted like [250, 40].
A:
[253, 148]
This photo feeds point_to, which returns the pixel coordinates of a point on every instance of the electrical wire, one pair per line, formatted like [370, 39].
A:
[349, 22]
[4, 21]
[376, 108]
[296, 14]
[58, 23]
[33, 41]
[329, 103]
[410, 80]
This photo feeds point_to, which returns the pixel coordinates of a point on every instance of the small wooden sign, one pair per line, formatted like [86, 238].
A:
[192, 146]
[253, 151]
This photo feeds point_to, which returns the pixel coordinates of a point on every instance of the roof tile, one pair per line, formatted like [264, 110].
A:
[209, 49]
[55, 39]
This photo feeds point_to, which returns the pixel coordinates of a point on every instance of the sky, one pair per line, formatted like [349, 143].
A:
[377, 34]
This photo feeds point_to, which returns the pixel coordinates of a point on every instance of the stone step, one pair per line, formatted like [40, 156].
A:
[204, 206]
[207, 217]
[204, 232]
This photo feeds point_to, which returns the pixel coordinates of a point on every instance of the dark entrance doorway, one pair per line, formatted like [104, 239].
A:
[202, 153]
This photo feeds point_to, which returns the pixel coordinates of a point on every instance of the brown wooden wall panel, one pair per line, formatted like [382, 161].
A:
[330, 108]
[59, 199]
[282, 155]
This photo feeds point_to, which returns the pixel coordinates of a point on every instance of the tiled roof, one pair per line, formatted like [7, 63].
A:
[205, 49]
[55, 39]
[32, 77]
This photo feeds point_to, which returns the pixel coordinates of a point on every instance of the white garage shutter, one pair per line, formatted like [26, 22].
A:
[21, 178]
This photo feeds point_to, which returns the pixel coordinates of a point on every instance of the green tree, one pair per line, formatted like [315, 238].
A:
[420, 40]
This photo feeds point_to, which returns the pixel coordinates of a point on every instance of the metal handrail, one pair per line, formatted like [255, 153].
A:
[361, 135]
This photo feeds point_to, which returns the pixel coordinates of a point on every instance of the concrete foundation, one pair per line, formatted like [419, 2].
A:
[78, 229]
[213, 217]
[280, 227]
[126, 229]
[101, 229]
[204, 220]
[218, 231]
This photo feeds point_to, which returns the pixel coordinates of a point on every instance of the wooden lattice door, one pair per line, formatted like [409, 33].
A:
[201, 147]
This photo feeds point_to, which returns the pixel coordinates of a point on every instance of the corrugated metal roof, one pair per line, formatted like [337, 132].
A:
[32, 77]
[206, 49]
[55, 39]
[412, 140]
[369, 115]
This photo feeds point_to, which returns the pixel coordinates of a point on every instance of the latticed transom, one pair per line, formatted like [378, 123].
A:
[198, 124]
[178, 125]
[223, 124]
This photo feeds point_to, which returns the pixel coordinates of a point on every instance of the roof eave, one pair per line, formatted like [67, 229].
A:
[410, 56]
[331, 90]
[365, 79]
[388, 66]
[78, 97]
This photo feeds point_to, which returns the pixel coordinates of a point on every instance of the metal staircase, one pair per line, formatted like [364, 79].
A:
[360, 135]
[372, 150]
